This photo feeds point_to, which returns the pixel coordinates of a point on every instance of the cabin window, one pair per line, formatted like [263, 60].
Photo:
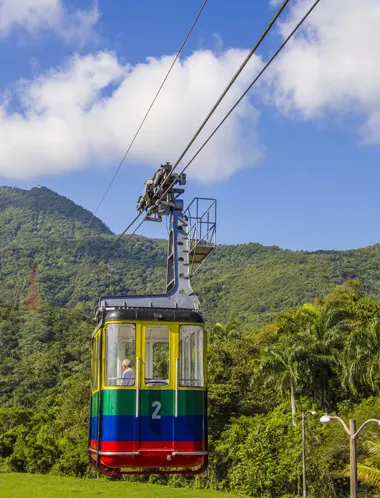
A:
[120, 354]
[157, 355]
[191, 356]
[95, 363]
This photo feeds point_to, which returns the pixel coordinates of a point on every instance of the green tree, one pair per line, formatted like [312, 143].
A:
[362, 357]
[219, 332]
[281, 368]
[324, 331]
[369, 468]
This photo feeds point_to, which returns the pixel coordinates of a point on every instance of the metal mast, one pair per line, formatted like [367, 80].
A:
[161, 198]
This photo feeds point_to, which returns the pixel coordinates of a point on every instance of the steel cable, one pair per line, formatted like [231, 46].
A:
[261, 72]
[148, 111]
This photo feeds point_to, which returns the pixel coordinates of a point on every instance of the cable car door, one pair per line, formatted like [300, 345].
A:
[158, 388]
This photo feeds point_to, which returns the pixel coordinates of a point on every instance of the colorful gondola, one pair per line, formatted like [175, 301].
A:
[148, 370]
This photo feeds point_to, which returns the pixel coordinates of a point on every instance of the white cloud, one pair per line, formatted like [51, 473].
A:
[86, 113]
[275, 3]
[35, 16]
[333, 64]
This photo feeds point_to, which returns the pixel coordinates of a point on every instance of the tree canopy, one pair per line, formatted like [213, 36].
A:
[288, 332]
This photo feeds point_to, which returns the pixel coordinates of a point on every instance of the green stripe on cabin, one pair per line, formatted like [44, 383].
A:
[94, 404]
[123, 402]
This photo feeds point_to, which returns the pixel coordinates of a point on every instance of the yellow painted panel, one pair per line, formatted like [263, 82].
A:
[140, 351]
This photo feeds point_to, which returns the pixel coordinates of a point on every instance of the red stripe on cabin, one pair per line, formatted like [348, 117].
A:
[152, 454]
[116, 446]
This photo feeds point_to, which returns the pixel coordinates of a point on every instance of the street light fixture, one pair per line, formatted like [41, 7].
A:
[325, 419]
[304, 451]
[353, 435]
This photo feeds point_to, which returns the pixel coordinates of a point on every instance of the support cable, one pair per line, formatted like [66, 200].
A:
[130, 235]
[261, 72]
[232, 81]
[138, 130]
[228, 87]
[72, 285]
[147, 112]
[120, 237]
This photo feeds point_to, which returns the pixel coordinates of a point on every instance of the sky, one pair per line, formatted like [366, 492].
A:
[296, 165]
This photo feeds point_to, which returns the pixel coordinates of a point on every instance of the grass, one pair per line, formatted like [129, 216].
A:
[46, 486]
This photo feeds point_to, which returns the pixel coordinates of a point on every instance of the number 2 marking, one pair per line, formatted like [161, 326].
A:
[157, 406]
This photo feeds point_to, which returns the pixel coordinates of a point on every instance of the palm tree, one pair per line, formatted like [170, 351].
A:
[306, 356]
[281, 368]
[219, 332]
[282, 364]
[325, 330]
[369, 469]
[362, 357]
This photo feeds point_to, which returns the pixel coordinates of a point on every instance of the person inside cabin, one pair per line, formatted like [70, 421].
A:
[128, 378]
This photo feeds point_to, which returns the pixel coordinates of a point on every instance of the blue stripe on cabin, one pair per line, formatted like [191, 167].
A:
[94, 428]
[167, 428]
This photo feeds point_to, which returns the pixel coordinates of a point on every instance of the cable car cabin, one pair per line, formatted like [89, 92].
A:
[151, 411]
[148, 374]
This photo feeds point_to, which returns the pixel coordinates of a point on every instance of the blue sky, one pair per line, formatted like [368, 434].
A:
[309, 172]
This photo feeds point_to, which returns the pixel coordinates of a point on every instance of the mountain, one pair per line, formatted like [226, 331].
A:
[45, 361]
[249, 282]
[43, 213]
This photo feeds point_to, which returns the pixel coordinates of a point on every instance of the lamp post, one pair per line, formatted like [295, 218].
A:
[304, 485]
[353, 435]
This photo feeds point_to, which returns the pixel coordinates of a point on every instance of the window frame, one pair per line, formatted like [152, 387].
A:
[119, 357]
[151, 382]
[188, 367]
[95, 362]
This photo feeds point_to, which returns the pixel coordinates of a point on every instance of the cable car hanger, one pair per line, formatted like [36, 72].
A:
[185, 256]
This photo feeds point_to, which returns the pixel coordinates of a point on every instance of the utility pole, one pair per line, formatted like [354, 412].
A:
[353, 461]
[304, 484]
[353, 435]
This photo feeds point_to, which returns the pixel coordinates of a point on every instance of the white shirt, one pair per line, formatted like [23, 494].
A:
[128, 377]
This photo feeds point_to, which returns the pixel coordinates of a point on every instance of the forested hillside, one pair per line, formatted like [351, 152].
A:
[270, 355]
[325, 356]
[250, 283]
